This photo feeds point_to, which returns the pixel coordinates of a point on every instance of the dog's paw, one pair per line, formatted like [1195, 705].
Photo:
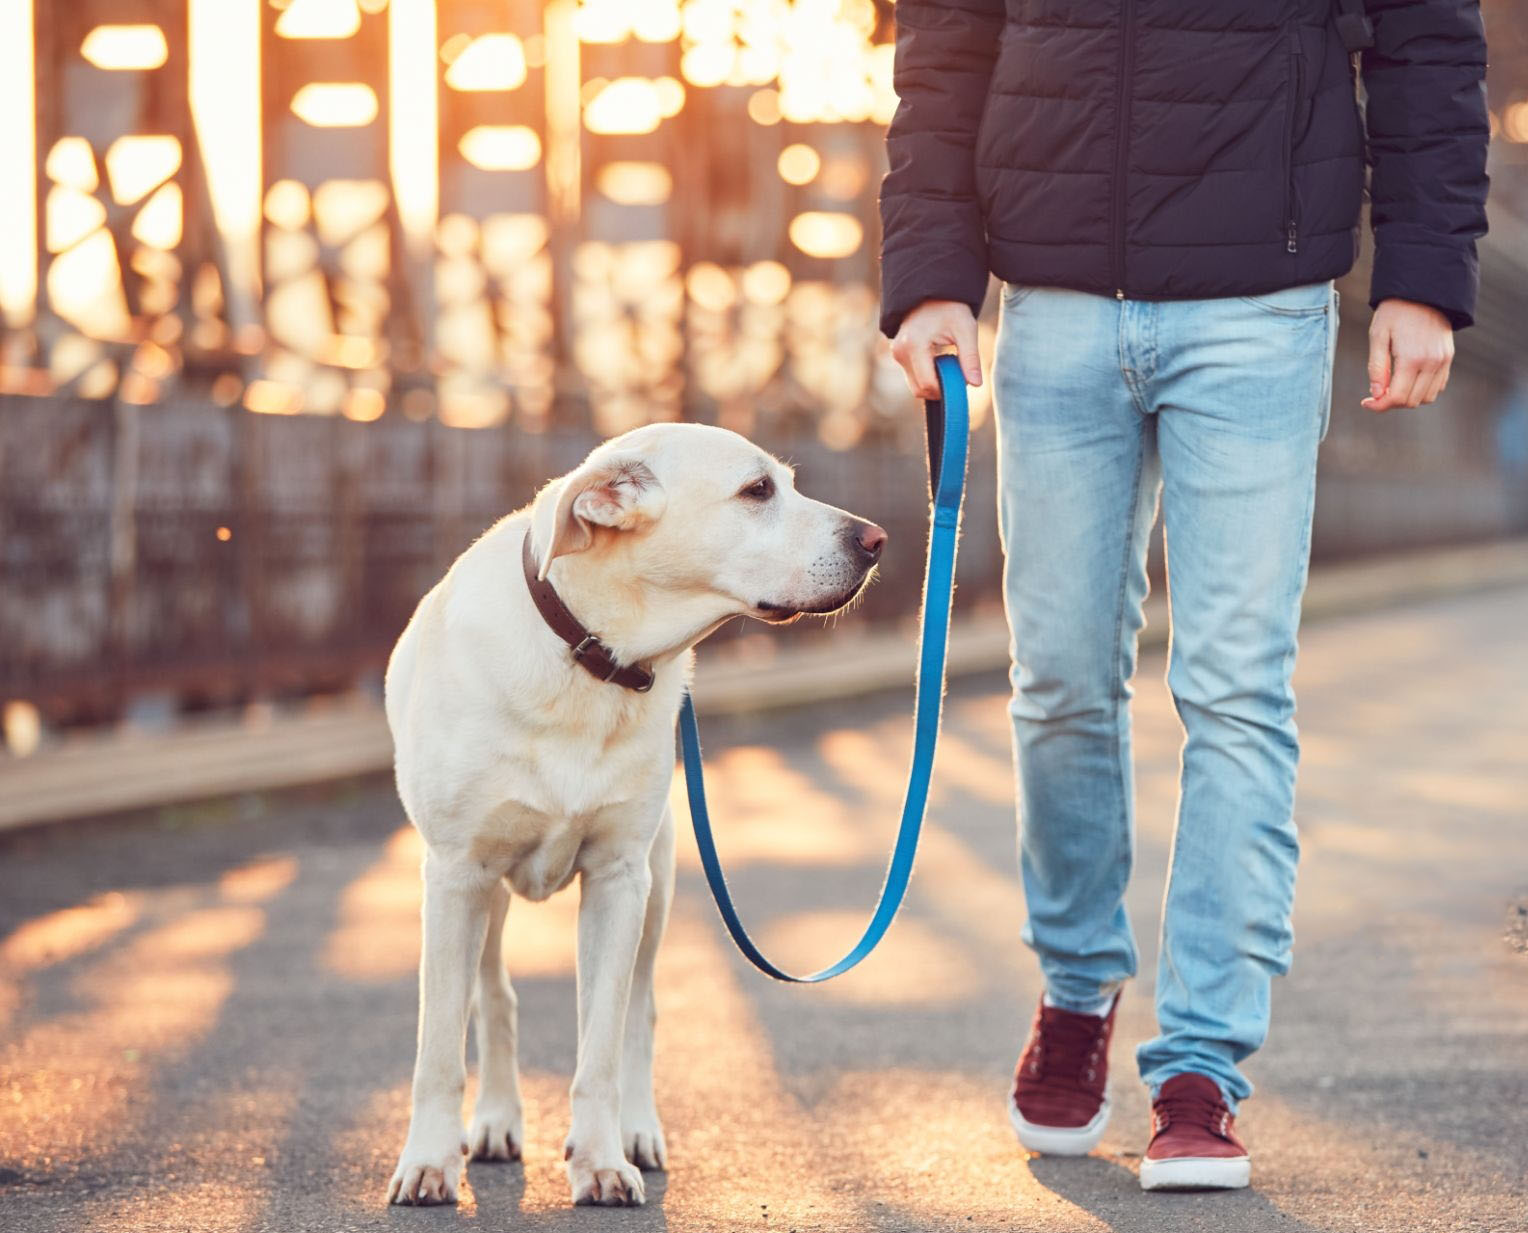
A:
[424, 1178]
[615, 1185]
[496, 1134]
[642, 1139]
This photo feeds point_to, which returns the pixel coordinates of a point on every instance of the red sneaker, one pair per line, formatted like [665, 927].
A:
[1060, 1099]
[1193, 1141]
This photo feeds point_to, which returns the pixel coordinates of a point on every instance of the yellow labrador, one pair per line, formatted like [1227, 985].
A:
[522, 768]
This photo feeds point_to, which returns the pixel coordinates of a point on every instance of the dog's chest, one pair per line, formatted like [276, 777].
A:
[535, 853]
[529, 813]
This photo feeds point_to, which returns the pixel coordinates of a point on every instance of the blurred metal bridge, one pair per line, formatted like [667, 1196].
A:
[299, 295]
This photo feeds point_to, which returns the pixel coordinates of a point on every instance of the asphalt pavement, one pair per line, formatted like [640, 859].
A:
[207, 1012]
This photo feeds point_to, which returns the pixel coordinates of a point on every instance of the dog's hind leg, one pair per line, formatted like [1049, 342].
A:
[457, 898]
[641, 1131]
[498, 1129]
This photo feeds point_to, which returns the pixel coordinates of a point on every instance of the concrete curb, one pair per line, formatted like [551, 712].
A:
[95, 775]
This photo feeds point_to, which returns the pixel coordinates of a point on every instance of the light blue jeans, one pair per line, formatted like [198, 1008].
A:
[1218, 407]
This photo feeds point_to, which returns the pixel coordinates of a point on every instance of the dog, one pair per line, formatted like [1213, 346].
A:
[523, 767]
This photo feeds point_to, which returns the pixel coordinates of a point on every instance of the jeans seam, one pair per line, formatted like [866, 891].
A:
[1333, 324]
[1116, 687]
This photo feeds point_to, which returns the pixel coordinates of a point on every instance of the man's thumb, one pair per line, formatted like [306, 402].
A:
[1379, 364]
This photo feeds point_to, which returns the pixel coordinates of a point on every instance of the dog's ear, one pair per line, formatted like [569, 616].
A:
[617, 491]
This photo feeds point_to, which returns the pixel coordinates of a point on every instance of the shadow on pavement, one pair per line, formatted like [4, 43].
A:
[1112, 1194]
[207, 1015]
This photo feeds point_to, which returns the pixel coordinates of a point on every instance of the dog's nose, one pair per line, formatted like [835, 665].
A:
[869, 539]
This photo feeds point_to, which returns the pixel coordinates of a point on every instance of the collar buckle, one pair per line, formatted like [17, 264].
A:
[594, 656]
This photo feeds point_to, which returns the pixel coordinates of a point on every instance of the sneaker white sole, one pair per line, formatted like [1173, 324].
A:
[1059, 1140]
[1196, 1173]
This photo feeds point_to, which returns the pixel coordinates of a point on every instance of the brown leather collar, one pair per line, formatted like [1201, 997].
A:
[590, 653]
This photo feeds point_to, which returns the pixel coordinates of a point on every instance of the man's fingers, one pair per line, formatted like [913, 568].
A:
[1427, 375]
[968, 349]
[1405, 382]
[920, 369]
[906, 351]
[1379, 364]
[1439, 383]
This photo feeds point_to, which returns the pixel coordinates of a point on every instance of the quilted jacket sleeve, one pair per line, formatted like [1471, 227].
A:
[1428, 132]
[934, 245]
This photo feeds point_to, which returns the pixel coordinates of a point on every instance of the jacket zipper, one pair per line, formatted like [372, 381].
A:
[1122, 144]
[1296, 90]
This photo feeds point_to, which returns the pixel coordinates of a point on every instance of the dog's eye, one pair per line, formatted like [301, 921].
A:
[759, 490]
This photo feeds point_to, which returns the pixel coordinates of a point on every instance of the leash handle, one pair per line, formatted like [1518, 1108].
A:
[948, 437]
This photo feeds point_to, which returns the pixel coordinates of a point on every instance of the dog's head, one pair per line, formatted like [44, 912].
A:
[704, 514]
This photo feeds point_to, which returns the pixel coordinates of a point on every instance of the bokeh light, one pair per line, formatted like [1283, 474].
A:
[548, 213]
[125, 48]
[335, 104]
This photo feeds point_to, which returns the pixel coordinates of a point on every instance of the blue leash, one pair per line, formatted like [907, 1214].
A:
[948, 432]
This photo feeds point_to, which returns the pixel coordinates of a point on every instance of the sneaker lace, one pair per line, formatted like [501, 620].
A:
[1067, 1049]
[1191, 1109]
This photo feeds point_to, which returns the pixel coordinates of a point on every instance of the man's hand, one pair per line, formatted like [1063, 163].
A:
[1411, 349]
[929, 329]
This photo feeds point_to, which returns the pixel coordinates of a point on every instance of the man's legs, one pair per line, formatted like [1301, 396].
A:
[1078, 483]
[1241, 390]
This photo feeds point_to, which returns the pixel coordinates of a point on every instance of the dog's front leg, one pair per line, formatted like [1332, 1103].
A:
[456, 904]
[497, 1131]
[641, 1131]
[611, 909]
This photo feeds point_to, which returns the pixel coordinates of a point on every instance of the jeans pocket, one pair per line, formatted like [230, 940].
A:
[1016, 293]
[1306, 300]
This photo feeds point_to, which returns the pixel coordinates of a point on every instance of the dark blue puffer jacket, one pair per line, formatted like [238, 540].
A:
[1178, 149]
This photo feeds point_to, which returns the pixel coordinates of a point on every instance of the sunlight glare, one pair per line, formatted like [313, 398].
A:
[635, 184]
[71, 216]
[68, 932]
[224, 90]
[335, 104]
[413, 117]
[764, 107]
[613, 21]
[18, 164]
[711, 287]
[344, 208]
[627, 106]
[159, 222]
[364, 405]
[376, 935]
[137, 164]
[265, 397]
[72, 163]
[826, 235]
[261, 879]
[489, 62]
[564, 138]
[319, 19]
[126, 48]
[287, 205]
[947, 975]
[1514, 122]
[501, 147]
[799, 164]
[766, 282]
